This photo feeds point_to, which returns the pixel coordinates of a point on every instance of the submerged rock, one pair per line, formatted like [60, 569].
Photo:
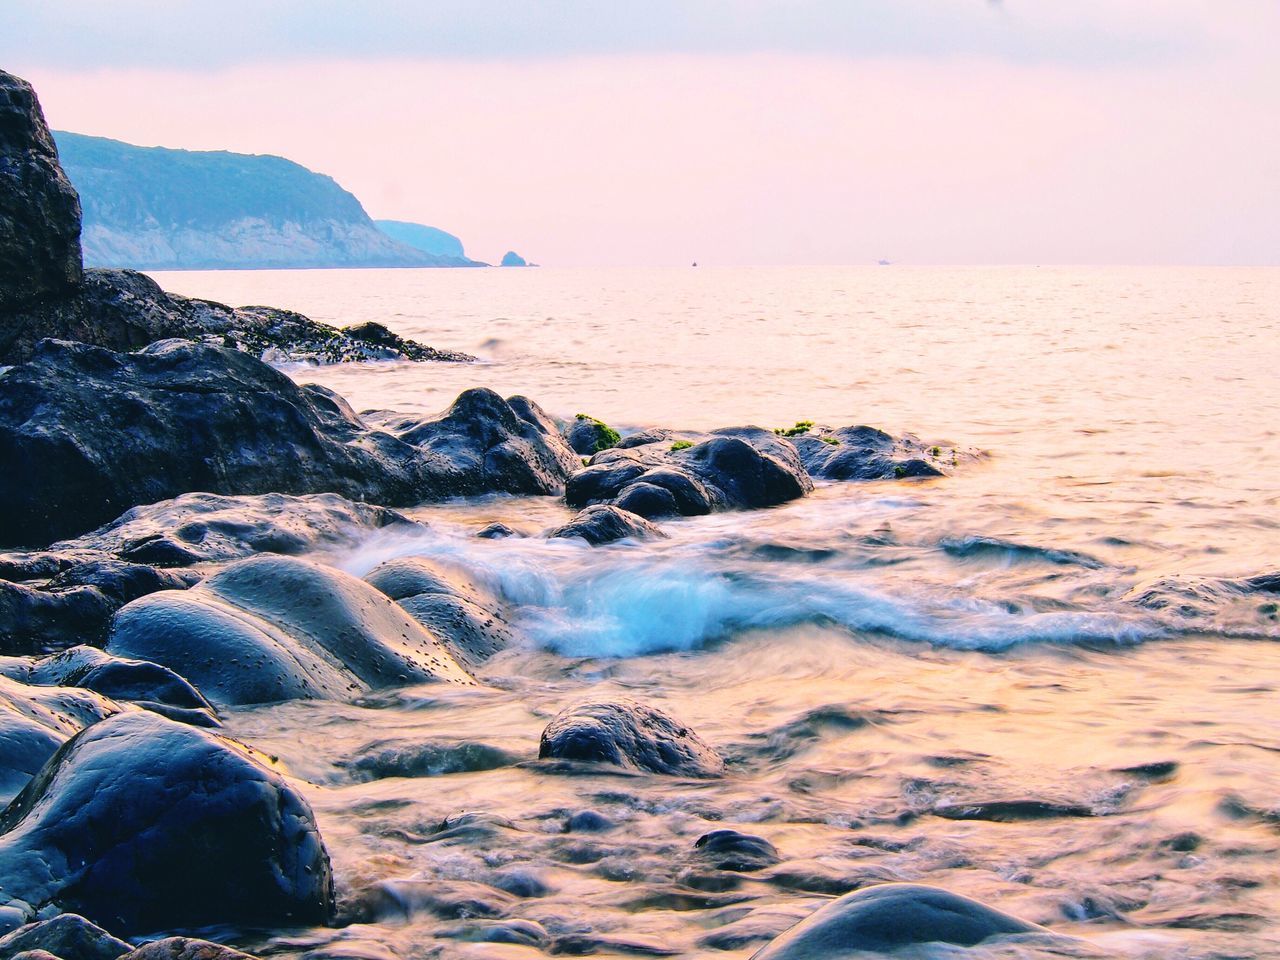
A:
[630, 735]
[142, 824]
[734, 468]
[737, 852]
[889, 917]
[67, 937]
[39, 211]
[274, 628]
[604, 523]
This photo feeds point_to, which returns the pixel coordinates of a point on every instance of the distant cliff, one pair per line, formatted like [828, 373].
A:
[152, 208]
[421, 237]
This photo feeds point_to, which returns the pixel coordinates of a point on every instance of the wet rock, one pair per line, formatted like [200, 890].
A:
[88, 433]
[735, 851]
[274, 628]
[36, 721]
[521, 881]
[525, 933]
[497, 531]
[865, 453]
[68, 937]
[482, 445]
[120, 679]
[141, 824]
[734, 468]
[184, 948]
[444, 599]
[817, 876]
[39, 210]
[630, 735]
[588, 821]
[203, 527]
[890, 917]
[759, 926]
[403, 899]
[588, 436]
[603, 523]
[1011, 811]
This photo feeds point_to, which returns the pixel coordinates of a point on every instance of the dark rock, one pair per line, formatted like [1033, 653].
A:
[445, 600]
[737, 852]
[1011, 811]
[39, 209]
[603, 523]
[142, 824]
[481, 445]
[889, 917]
[36, 721]
[87, 433]
[69, 936]
[132, 680]
[589, 436]
[497, 531]
[630, 735]
[272, 628]
[184, 948]
[735, 468]
[126, 310]
[865, 453]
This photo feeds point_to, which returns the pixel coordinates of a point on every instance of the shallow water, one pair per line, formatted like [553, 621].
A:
[1055, 639]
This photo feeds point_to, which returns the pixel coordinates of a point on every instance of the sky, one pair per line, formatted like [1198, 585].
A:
[581, 132]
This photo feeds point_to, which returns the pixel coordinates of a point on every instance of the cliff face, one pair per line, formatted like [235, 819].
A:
[152, 208]
[424, 238]
[39, 212]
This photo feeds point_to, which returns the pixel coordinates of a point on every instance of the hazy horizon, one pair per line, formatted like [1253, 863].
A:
[946, 132]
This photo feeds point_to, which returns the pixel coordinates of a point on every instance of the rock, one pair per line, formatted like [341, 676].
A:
[36, 721]
[89, 668]
[142, 824]
[204, 527]
[68, 936]
[444, 599]
[735, 851]
[39, 209]
[89, 433]
[589, 821]
[603, 523]
[630, 735]
[432, 758]
[126, 310]
[482, 445]
[889, 917]
[865, 453]
[589, 436]
[496, 531]
[184, 948]
[513, 259]
[272, 628]
[735, 468]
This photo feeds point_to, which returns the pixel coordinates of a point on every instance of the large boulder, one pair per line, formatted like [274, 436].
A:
[734, 468]
[86, 433]
[588, 436]
[36, 721]
[485, 444]
[272, 628]
[631, 735]
[39, 209]
[88, 668]
[889, 917]
[141, 824]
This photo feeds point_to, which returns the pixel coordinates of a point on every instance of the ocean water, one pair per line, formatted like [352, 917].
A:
[1065, 629]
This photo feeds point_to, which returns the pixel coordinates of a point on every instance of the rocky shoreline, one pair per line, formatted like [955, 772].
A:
[161, 482]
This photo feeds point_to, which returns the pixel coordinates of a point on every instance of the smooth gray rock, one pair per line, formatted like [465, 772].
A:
[631, 735]
[889, 917]
[141, 824]
[272, 628]
[68, 937]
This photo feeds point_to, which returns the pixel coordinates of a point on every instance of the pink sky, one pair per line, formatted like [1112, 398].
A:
[753, 156]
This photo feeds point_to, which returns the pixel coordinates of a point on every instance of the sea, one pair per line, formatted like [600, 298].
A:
[1049, 681]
